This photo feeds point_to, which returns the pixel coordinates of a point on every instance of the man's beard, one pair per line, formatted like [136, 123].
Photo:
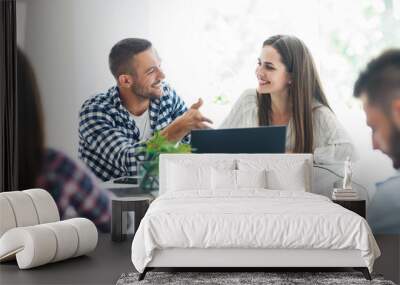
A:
[141, 92]
[394, 152]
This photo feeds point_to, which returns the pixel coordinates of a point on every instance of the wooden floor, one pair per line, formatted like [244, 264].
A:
[389, 262]
[102, 266]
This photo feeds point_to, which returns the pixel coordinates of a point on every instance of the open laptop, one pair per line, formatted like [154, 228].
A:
[268, 139]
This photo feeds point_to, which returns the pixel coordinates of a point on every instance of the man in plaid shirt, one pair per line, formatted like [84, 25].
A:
[115, 124]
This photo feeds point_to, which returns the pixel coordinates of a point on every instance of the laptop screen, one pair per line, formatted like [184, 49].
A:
[267, 139]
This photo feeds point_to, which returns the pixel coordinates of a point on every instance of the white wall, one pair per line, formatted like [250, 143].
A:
[68, 42]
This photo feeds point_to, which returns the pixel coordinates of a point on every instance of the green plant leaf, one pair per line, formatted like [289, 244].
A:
[159, 144]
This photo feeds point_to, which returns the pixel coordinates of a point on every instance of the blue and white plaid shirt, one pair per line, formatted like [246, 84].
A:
[108, 136]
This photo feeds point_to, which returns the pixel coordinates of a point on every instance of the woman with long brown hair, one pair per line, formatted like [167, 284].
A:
[289, 92]
[75, 190]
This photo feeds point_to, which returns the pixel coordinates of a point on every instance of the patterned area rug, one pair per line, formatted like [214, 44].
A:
[275, 278]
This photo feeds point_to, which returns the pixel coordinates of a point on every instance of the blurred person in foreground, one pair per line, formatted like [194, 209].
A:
[378, 86]
[74, 189]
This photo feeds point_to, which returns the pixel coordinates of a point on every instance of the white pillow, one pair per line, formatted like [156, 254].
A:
[251, 178]
[228, 179]
[188, 177]
[223, 179]
[281, 174]
[293, 179]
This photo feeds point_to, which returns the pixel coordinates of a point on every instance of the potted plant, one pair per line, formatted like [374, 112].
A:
[148, 168]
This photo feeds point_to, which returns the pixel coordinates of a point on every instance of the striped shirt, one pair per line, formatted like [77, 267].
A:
[109, 141]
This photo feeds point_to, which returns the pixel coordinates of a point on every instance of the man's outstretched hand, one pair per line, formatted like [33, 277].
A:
[194, 119]
[190, 120]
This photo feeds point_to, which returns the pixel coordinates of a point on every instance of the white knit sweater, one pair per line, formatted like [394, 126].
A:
[332, 144]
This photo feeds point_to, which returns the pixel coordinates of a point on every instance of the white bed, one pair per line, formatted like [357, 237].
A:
[247, 210]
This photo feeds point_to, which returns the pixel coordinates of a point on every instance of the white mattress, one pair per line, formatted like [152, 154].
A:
[252, 218]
